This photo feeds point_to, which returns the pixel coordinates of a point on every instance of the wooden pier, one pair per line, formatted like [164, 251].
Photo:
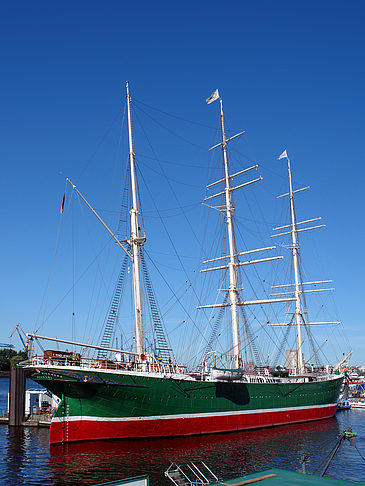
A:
[16, 416]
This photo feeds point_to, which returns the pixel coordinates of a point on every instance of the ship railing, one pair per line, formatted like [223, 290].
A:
[36, 361]
[82, 363]
[261, 379]
[327, 377]
[153, 365]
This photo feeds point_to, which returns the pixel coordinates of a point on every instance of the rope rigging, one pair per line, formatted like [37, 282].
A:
[214, 333]
[162, 349]
[247, 315]
[110, 323]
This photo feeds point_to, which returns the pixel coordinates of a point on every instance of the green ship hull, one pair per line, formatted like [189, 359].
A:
[105, 405]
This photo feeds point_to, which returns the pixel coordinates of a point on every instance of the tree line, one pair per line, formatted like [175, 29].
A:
[10, 358]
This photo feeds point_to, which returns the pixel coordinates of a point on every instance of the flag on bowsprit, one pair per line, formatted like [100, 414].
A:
[283, 155]
[214, 96]
[63, 203]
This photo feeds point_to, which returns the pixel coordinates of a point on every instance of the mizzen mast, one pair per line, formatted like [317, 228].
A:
[298, 284]
[295, 249]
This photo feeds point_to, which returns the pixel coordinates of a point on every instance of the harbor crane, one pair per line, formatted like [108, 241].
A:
[337, 367]
[6, 346]
[20, 331]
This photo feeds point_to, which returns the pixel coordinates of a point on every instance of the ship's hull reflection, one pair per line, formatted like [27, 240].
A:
[228, 455]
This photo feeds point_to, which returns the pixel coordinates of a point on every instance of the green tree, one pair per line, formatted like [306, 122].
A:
[9, 356]
[14, 360]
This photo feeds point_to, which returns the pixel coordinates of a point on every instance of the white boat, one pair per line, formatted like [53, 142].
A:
[357, 403]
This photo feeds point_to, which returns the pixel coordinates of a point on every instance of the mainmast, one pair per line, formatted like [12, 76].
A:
[232, 251]
[135, 240]
[231, 260]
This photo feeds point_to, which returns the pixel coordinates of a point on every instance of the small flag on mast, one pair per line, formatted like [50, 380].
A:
[283, 155]
[63, 203]
[214, 96]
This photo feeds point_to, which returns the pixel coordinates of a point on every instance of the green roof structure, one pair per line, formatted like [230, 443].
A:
[280, 477]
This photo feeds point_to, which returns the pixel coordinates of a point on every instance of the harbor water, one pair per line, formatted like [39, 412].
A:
[27, 459]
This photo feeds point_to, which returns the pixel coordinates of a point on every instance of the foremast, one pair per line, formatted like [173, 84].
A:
[135, 255]
[135, 240]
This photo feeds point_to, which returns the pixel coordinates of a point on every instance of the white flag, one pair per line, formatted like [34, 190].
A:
[214, 96]
[283, 155]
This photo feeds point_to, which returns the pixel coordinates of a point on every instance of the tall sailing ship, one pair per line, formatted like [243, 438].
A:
[141, 393]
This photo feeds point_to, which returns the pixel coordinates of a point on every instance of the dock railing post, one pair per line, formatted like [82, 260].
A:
[17, 396]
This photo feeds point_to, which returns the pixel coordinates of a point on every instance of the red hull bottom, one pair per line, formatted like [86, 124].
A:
[96, 429]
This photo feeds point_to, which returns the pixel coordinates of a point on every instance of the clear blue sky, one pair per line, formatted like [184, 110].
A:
[291, 74]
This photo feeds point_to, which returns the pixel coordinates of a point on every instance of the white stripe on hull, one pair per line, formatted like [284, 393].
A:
[190, 415]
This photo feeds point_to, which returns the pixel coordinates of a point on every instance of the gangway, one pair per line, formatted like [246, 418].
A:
[190, 474]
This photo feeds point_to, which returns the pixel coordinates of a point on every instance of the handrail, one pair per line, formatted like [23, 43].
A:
[153, 365]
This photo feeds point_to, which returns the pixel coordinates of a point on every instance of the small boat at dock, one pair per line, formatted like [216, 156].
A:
[357, 403]
[343, 405]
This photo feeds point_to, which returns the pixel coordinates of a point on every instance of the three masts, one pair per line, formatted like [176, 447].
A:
[231, 261]
[141, 394]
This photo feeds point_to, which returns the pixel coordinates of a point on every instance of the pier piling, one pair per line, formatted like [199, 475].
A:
[17, 396]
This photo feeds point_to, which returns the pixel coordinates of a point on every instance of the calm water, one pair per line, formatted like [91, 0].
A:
[27, 459]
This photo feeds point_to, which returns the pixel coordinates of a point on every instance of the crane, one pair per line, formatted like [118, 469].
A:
[18, 329]
[337, 367]
[6, 346]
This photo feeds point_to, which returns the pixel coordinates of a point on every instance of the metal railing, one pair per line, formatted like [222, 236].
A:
[192, 475]
[152, 365]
